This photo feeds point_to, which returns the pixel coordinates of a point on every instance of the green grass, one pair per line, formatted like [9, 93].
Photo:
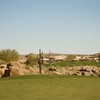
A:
[74, 63]
[39, 87]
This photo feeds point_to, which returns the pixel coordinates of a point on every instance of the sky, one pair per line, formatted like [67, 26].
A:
[61, 26]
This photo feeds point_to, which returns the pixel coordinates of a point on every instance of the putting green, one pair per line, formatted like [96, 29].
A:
[41, 87]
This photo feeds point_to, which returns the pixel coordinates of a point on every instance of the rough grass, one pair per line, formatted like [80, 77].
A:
[41, 87]
[74, 63]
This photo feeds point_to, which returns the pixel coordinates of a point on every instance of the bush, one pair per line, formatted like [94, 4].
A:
[8, 55]
[31, 60]
[70, 57]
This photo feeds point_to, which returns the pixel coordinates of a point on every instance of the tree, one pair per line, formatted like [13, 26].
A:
[8, 55]
[31, 60]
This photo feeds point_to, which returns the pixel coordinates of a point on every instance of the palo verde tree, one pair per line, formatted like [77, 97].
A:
[8, 55]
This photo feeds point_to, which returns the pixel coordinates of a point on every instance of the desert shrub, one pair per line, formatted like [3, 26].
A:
[8, 55]
[70, 57]
[31, 60]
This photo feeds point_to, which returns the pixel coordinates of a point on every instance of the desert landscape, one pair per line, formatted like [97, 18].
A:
[57, 64]
[49, 50]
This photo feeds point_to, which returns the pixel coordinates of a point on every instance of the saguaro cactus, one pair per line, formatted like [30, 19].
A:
[40, 61]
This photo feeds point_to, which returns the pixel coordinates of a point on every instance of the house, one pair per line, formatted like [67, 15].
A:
[78, 58]
[46, 60]
[59, 58]
[86, 57]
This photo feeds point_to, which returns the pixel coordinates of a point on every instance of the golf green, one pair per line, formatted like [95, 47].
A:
[44, 87]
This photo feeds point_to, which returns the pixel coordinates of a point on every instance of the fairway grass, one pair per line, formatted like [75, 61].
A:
[43, 87]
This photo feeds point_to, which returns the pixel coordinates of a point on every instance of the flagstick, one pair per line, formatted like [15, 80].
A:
[51, 78]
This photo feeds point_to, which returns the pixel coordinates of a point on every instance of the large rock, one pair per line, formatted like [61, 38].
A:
[16, 69]
[78, 71]
[19, 69]
[3, 67]
[26, 72]
[32, 70]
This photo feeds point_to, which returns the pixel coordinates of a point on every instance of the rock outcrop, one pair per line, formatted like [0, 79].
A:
[3, 67]
[79, 71]
[16, 69]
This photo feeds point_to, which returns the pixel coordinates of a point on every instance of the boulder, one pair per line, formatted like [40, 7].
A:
[26, 72]
[57, 73]
[16, 69]
[87, 74]
[32, 70]
[1, 73]
[3, 67]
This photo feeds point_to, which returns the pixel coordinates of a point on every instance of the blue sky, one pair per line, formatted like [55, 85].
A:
[62, 26]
